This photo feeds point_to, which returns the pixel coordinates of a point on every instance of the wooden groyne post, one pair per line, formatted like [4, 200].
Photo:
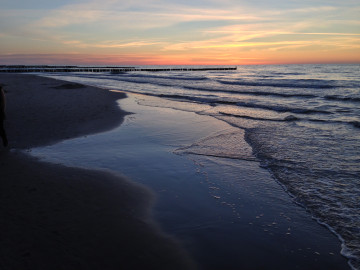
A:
[56, 69]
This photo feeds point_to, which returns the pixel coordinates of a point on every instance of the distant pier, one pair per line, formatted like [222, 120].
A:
[115, 70]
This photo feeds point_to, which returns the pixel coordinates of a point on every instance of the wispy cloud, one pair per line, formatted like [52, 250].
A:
[111, 44]
[181, 29]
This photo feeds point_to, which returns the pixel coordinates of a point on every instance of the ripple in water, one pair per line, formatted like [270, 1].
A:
[321, 172]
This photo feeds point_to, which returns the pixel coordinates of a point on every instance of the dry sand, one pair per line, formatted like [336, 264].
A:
[42, 111]
[56, 217]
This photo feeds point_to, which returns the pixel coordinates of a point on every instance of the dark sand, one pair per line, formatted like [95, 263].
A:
[42, 111]
[57, 217]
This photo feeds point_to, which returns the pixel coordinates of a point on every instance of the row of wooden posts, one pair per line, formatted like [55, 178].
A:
[40, 69]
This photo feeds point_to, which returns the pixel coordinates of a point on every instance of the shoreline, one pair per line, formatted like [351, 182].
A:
[58, 217]
[227, 212]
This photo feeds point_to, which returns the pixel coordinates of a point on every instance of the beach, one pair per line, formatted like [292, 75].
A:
[57, 217]
[181, 205]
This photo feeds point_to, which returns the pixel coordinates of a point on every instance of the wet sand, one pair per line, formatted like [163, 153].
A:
[57, 217]
[228, 213]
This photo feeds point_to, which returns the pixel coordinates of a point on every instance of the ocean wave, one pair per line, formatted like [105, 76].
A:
[316, 84]
[274, 74]
[252, 93]
[292, 118]
[288, 73]
[355, 124]
[215, 101]
[206, 100]
[286, 119]
[216, 90]
[282, 108]
[338, 98]
[166, 77]
[132, 79]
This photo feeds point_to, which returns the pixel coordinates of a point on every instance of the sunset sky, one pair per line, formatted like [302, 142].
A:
[134, 32]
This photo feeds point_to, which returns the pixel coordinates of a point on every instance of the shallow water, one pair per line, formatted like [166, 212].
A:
[226, 212]
[301, 121]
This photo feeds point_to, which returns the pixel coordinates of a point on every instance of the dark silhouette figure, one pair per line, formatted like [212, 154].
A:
[2, 117]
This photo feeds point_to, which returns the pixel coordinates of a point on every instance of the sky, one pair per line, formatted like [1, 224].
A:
[174, 32]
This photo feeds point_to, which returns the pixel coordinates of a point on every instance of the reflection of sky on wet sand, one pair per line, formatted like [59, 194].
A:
[219, 208]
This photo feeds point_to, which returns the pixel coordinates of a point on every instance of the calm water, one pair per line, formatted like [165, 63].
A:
[302, 122]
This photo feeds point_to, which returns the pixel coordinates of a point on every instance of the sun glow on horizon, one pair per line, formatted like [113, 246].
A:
[170, 32]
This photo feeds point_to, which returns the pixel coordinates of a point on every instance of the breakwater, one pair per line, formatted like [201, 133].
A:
[37, 69]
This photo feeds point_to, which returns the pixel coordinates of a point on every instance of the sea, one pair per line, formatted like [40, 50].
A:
[301, 122]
